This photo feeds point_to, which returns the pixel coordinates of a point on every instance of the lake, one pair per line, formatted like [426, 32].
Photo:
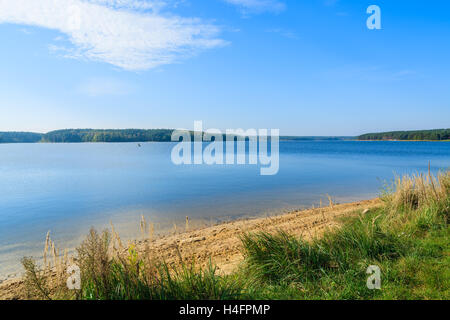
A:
[67, 188]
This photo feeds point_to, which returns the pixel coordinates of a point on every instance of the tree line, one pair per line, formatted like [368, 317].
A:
[434, 135]
[106, 135]
[88, 135]
[20, 137]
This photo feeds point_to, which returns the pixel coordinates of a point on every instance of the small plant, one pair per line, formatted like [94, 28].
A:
[35, 280]
[48, 280]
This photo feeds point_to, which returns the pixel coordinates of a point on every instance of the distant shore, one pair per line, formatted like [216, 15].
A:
[165, 135]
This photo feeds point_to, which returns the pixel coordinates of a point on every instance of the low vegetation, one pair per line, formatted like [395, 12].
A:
[407, 238]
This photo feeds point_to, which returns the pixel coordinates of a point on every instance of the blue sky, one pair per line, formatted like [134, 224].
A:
[304, 67]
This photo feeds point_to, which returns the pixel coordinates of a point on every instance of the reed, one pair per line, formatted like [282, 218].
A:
[48, 279]
[411, 192]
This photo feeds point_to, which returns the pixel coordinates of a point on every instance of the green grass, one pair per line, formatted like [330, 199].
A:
[334, 267]
[407, 238]
[185, 283]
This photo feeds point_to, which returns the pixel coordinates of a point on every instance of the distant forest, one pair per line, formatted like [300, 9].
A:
[20, 137]
[435, 135]
[88, 135]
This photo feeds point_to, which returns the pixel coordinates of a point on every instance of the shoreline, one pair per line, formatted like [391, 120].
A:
[221, 243]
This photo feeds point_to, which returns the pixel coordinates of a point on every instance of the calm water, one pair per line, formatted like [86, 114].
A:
[66, 188]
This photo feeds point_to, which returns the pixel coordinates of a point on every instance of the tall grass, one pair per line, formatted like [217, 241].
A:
[109, 271]
[411, 228]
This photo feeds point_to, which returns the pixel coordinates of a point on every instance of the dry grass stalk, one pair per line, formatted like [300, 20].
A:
[47, 242]
[330, 200]
[151, 231]
[143, 225]
[174, 228]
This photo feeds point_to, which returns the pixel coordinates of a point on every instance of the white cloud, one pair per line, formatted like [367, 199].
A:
[130, 34]
[132, 4]
[258, 6]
